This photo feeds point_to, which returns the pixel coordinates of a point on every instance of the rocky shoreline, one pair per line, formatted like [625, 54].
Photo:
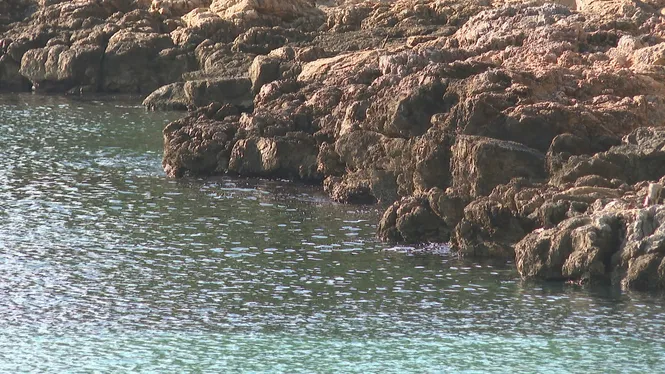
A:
[529, 131]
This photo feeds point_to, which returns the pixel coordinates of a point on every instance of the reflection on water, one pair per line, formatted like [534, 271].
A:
[107, 265]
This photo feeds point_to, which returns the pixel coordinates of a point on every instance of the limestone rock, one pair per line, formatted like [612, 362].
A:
[291, 156]
[616, 243]
[405, 110]
[176, 8]
[264, 12]
[141, 62]
[60, 67]
[488, 229]
[263, 70]
[169, 97]
[411, 220]
[640, 157]
[479, 164]
[197, 146]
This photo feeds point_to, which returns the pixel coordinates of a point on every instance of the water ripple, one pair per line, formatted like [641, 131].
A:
[106, 265]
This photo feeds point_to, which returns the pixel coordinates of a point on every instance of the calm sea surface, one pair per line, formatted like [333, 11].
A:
[108, 266]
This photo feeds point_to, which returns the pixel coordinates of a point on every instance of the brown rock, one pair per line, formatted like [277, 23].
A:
[411, 220]
[292, 156]
[479, 164]
[141, 62]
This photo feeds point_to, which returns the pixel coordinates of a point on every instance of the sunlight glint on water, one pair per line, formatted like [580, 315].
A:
[106, 265]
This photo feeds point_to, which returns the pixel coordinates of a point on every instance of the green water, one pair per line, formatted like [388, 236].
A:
[107, 266]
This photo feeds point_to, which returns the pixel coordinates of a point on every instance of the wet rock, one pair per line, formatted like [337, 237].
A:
[236, 91]
[363, 187]
[169, 97]
[488, 229]
[349, 190]
[10, 78]
[198, 146]
[201, 93]
[60, 67]
[617, 243]
[448, 204]
[411, 220]
[291, 156]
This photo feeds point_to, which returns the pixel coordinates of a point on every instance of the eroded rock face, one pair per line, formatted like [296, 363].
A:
[141, 62]
[198, 146]
[59, 67]
[519, 130]
[199, 93]
[618, 243]
[175, 8]
[412, 220]
[265, 12]
[291, 156]
[640, 157]
[479, 164]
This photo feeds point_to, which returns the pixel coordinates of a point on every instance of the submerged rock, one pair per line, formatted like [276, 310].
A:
[292, 156]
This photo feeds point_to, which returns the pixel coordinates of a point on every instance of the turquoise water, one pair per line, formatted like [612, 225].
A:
[107, 266]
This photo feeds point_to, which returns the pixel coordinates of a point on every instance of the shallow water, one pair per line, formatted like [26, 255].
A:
[107, 266]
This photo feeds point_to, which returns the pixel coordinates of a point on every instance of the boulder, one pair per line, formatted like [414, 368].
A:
[200, 25]
[138, 62]
[201, 93]
[265, 12]
[363, 187]
[479, 164]
[235, 91]
[487, 229]
[616, 244]
[198, 146]
[412, 220]
[169, 97]
[291, 156]
[263, 70]
[60, 67]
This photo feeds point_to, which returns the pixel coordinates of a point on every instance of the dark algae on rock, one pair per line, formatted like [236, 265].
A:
[522, 130]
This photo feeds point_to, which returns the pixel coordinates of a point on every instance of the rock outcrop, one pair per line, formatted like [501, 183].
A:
[139, 46]
[523, 130]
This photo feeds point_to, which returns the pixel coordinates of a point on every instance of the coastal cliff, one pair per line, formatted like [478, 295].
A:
[529, 131]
